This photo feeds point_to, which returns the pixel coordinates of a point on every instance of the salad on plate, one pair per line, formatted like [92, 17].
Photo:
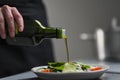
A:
[64, 67]
[70, 70]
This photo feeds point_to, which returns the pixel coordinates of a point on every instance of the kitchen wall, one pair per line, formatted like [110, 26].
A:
[77, 17]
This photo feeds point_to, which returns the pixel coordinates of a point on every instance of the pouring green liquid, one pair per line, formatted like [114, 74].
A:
[67, 50]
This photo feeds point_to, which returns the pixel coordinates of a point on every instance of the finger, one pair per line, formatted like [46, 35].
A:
[10, 20]
[2, 27]
[18, 18]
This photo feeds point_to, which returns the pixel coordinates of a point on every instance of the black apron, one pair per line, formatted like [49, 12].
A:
[16, 59]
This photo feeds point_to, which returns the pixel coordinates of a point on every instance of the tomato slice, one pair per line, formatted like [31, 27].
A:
[46, 70]
[95, 68]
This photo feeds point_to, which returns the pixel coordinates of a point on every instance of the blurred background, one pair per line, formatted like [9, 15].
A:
[82, 19]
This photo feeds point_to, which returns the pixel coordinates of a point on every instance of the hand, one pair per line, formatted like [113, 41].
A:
[11, 14]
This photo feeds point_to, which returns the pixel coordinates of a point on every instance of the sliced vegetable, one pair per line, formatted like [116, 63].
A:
[95, 68]
[45, 70]
[69, 67]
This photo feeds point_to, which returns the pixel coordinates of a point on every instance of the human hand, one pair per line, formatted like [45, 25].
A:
[11, 15]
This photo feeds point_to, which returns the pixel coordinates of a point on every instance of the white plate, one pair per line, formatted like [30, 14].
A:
[70, 75]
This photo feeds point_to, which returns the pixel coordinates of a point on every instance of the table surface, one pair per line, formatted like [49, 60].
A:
[112, 74]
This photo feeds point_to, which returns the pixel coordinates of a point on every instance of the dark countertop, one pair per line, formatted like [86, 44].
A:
[31, 76]
[112, 74]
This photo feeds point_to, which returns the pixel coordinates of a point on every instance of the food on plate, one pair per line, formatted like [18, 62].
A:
[69, 67]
